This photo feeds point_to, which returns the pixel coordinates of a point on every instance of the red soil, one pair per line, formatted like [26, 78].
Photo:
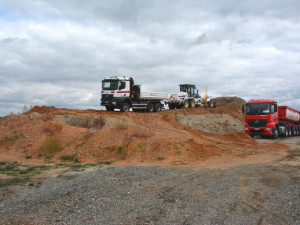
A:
[141, 138]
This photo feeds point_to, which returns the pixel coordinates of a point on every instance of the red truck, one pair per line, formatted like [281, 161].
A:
[265, 118]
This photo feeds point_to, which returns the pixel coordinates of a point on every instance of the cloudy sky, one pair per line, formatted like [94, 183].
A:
[57, 52]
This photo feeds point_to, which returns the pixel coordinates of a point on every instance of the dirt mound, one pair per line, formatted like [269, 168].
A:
[213, 123]
[229, 101]
[91, 136]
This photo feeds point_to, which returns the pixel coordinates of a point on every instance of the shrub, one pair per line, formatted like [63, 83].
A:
[69, 158]
[51, 145]
[121, 150]
[160, 158]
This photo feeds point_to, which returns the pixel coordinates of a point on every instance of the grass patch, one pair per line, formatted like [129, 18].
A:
[43, 167]
[105, 162]
[12, 138]
[13, 181]
[69, 158]
[28, 157]
[51, 145]
[121, 150]
[142, 146]
[160, 158]
[29, 170]
[7, 168]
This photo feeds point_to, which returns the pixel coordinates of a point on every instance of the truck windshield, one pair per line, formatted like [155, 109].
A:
[258, 109]
[110, 85]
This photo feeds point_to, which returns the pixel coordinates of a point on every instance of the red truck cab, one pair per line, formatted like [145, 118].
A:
[262, 118]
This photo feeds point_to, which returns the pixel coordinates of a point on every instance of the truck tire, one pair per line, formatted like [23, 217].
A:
[150, 107]
[293, 131]
[171, 106]
[186, 104]
[286, 133]
[157, 107]
[290, 131]
[192, 103]
[125, 107]
[275, 133]
[110, 108]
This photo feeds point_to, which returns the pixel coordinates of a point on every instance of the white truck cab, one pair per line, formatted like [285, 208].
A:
[121, 93]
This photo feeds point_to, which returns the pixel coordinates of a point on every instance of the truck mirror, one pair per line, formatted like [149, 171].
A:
[243, 109]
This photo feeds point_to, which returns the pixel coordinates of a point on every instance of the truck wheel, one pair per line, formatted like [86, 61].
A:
[125, 107]
[186, 104]
[290, 131]
[110, 108]
[171, 106]
[192, 104]
[150, 107]
[286, 134]
[157, 107]
[275, 133]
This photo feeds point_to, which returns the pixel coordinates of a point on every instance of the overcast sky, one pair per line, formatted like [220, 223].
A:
[57, 52]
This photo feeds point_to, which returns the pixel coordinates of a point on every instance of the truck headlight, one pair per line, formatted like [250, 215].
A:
[246, 128]
[268, 128]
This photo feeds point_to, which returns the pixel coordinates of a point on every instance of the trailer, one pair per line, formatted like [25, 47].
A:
[121, 93]
[265, 118]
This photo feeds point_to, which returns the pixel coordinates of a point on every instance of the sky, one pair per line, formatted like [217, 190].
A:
[56, 53]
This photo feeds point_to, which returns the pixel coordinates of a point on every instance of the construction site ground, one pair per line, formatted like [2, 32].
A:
[189, 166]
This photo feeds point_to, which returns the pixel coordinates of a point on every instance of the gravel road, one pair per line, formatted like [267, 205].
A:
[253, 194]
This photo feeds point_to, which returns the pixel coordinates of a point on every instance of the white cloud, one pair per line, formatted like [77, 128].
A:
[57, 52]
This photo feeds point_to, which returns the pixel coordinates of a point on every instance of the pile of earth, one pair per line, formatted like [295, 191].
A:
[171, 137]
[229, 101]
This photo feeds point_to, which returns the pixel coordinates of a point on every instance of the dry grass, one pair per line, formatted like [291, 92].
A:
[122, 125]
[143, 132]
[51, 146]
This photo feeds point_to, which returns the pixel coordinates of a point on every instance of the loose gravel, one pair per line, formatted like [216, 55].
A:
[255, 194]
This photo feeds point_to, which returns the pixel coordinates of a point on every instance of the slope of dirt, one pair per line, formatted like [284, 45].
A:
[91, 136]
[213, 123]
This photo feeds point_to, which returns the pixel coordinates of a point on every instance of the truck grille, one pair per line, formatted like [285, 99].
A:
[107, 97]
[257, 123]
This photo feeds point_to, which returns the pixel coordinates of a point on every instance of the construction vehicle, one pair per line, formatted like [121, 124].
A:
[188, 98]
[265, 118]
[121, 93]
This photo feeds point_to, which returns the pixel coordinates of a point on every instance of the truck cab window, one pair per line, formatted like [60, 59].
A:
[122, 86]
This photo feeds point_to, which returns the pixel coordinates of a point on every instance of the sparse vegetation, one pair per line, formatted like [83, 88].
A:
[26, 171]
[160, 158]
[28, 157]
[121, 150]
[69, 158]
[12, 138]
[51, 145]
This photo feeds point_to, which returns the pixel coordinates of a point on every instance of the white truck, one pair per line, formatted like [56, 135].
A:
[121, 93]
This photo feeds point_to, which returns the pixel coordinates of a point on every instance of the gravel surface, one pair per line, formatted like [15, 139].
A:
[256, 194]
